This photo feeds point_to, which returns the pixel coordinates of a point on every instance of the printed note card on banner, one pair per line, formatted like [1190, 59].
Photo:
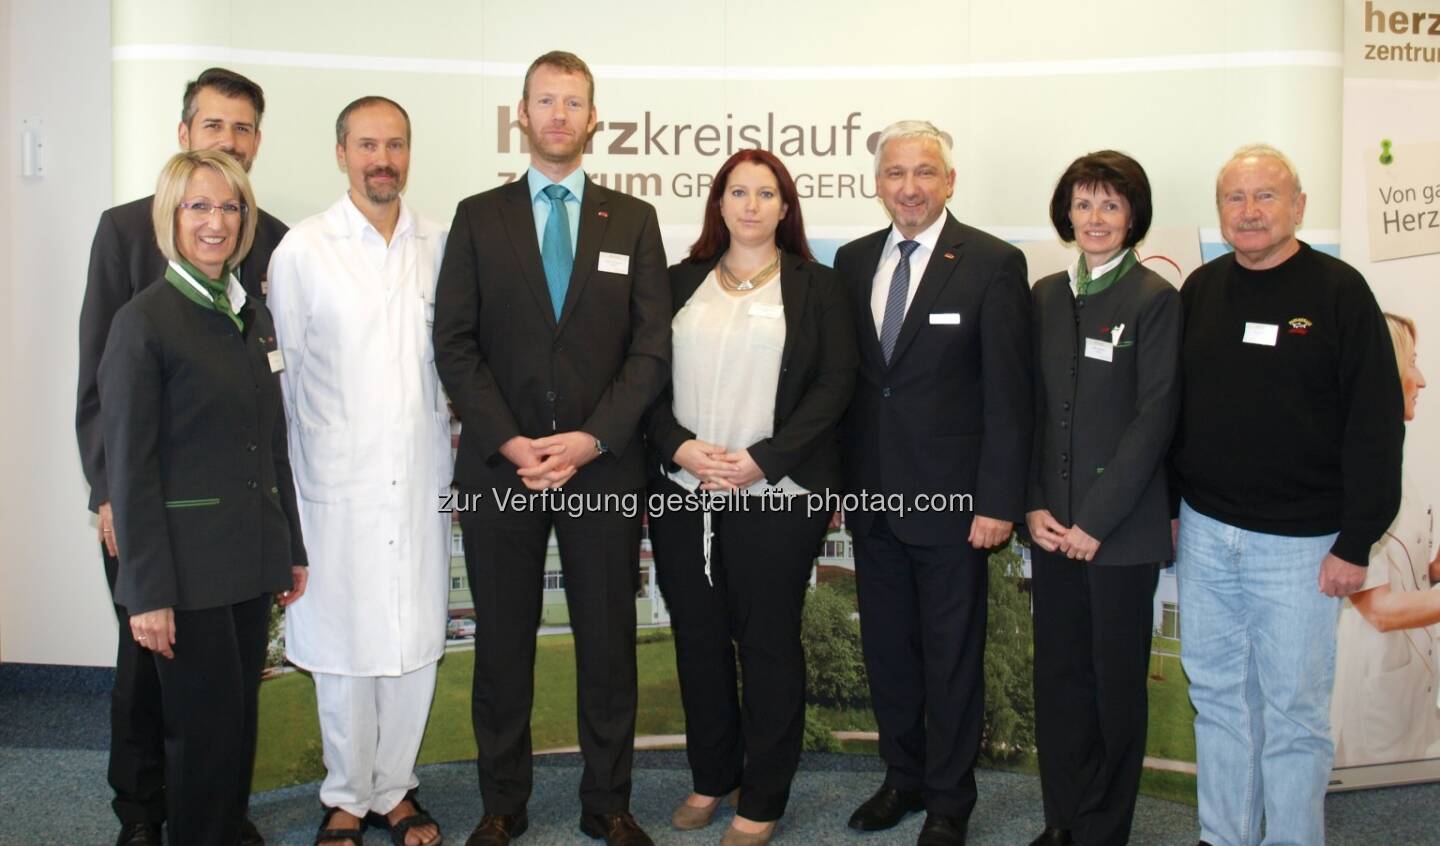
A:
[1402, 188]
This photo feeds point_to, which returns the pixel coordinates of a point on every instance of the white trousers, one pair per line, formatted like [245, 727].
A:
[371, 727]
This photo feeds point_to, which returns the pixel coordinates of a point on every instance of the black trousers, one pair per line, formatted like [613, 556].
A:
[505, 560]
[761, 560]
[210, 691]
[137, 725]
[1092, 658]
[922, 625]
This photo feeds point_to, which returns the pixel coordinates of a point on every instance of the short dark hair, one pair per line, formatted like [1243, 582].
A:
[562, 61]
[715, 235]
[1112, 170]
[229, 84]
[342, 130]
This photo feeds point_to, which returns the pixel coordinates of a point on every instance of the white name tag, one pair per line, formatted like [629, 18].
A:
[767, 310]
[614, 263]
[277, 360]
[1263, 334]
[949, 318]
[1099, 350]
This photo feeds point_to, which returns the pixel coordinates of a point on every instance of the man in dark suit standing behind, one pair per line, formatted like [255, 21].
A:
[552, 337]
[221, 110]
[942, 408]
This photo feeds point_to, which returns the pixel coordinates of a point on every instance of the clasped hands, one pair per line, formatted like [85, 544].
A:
[1053, 536]
[549, 462]
[716, 468]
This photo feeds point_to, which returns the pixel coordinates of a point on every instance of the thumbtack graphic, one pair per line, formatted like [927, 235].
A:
[1385, 156]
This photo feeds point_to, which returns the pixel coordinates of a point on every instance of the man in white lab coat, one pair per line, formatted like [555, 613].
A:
[353, 293]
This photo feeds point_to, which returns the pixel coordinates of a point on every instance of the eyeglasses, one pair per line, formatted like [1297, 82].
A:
[203, 208]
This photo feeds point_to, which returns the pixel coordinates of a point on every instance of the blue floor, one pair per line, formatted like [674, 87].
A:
[53, 791]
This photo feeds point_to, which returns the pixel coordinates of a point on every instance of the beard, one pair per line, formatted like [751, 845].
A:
[381, 194]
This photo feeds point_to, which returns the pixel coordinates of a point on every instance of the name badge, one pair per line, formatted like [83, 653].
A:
[277, 360]
[1263, 334]
[948, 318]
[766, 310]
[1099, 350]
[614, 263]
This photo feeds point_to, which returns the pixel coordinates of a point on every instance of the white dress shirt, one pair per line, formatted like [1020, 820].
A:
[890, 259]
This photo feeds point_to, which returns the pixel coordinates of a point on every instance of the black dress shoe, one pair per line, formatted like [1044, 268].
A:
[249, 834]
[498, 829]
[615, 829]
[886, 808]
[139, 834]
[940, 830]
[1053, 837]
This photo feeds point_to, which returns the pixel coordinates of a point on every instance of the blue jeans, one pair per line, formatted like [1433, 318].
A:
[1257, 639]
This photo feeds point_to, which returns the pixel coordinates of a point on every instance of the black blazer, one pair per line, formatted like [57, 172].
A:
[1103, 428]
[509, 367]
[952, 411]
[199, 472]
[124, 258]
[817, 377]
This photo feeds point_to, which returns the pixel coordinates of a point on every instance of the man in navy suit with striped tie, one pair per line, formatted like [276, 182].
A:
[942, 409]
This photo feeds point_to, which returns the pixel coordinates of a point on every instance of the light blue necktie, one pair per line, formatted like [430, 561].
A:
[556, 252]
[895, 301]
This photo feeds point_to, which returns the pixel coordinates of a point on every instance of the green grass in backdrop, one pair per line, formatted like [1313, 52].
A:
[289, 743]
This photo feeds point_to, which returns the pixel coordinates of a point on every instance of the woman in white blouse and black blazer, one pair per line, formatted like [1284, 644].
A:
[763, 368]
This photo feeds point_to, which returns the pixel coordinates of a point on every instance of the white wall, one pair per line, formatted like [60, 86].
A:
[6, 153]
[54, 606]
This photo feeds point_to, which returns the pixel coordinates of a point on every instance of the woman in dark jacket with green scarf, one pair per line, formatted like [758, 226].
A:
[200, 483]
[1107, 344]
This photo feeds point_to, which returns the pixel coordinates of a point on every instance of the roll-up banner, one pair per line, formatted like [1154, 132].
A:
[1385, 718]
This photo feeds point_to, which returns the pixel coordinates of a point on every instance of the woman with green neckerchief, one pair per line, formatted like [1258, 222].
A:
[200, 484]
[1107, 354]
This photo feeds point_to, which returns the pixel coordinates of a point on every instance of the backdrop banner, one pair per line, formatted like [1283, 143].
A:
[1021, 88]
[1385, 717]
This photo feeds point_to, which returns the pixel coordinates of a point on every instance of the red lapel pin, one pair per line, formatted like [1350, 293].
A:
[950, 256]
[603, 213]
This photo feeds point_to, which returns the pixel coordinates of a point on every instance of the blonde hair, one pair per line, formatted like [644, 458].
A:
[1402, 336]
[170, 190]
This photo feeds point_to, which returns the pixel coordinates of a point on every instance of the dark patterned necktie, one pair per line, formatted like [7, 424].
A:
[895, 301]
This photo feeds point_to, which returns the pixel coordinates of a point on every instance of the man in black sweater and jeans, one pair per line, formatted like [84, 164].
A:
[1288, 462]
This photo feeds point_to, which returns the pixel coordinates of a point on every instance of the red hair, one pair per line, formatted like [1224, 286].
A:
[715, 236]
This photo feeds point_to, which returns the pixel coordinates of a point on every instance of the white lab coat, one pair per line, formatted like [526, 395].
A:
[369, 431]
[1384, 707]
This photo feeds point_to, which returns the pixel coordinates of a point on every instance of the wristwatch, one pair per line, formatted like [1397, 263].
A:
[600, 448]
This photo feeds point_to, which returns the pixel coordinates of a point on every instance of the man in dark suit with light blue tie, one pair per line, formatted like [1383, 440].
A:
[552, 337]
[942, 409]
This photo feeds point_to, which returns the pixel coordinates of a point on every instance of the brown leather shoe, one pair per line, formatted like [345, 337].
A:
[615, 829]
[498, 829]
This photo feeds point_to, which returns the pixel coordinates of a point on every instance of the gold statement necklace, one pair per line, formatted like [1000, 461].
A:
[730, 282]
